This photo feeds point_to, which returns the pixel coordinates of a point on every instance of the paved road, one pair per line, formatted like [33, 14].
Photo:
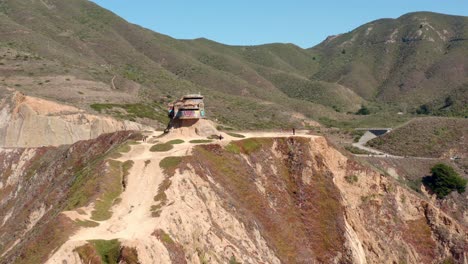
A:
[361, 144]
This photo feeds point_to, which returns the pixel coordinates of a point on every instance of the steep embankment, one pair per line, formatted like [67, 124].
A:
[36, 184]
[32, 122]
[267, 198]
[335, 208]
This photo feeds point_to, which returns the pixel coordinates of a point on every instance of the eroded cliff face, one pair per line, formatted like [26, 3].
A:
[32, 122]
[312, 204]
[258, 200]
[36, 184]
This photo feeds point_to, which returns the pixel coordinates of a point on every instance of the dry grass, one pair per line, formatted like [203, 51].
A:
[419, 235]
[176, 251]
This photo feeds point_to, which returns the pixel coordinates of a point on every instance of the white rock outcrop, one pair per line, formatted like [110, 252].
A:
[32, 122]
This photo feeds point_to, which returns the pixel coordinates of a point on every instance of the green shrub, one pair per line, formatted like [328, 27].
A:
[235, 135]
[423, 110]
[161, 147]
[363, 111]
[175, 141]
[351, 179]
[444, 180]
[109, 250]
[198, 141]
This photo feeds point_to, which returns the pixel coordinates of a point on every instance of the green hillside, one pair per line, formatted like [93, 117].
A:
[419, 58]
[426, 137]
[78, 53]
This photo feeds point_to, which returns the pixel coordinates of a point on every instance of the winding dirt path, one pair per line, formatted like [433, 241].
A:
[131, 218]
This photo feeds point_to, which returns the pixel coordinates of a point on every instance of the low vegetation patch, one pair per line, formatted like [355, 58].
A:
[233, 260]
[176, 251]
[153, 111]
[444, 180]
[357, 134]
[168, 164]
[109, 250]
[419, 235]
[126, 166]
[363, 111]
[235, 135]
[175, 141]
[124, 148]
[232, 148]
[111, 189]
[200, 141]
[100, 251]
[356, 150]
[86, 185]
[424, 137]
[250, 145]
[86, 223]
[161, 197]
[129, 255]
[161, 147]
[225, 128]
[351, 179]
[54, 234]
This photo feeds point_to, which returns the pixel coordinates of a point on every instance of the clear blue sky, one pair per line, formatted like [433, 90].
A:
[243, 22]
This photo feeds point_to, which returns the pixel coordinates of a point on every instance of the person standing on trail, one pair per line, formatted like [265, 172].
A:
[220, 137]
[294, 131]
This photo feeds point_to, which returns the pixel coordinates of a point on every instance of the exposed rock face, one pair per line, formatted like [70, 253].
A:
[32, 122]
[194, 128]
[257, 200]
[336, 210]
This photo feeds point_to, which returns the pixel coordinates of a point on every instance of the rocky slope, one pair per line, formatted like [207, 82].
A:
[32, 122]
[269, 198]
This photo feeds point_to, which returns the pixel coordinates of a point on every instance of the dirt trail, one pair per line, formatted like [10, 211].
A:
[131, 221]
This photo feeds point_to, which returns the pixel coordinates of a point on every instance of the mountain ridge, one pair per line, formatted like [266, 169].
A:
[326, 81]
